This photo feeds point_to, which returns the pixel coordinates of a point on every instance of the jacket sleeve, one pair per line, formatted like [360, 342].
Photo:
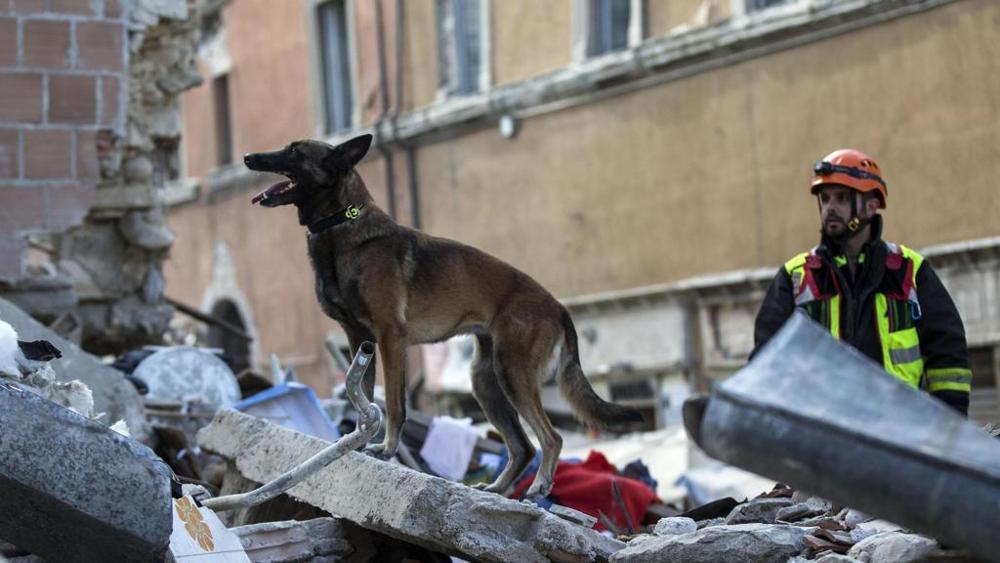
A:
[777, 306]
[942, 342]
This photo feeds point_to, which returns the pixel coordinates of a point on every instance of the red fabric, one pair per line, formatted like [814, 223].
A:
[587, 487]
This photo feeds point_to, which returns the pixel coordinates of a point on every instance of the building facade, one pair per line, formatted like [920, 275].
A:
[646, 160]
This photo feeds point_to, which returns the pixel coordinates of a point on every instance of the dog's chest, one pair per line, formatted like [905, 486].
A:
[336, 292]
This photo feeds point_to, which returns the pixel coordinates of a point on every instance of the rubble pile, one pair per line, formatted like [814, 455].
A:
[785, 526]
[76, 379]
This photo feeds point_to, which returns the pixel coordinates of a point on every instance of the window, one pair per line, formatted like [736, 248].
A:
[223, 130]
[338, 101]
[608, 26]
[754, 5]
[461, 49]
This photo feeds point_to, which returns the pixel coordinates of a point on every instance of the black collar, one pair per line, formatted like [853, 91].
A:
[349, 213]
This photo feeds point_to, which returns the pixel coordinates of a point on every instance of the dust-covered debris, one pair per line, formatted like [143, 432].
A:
[391, 499]
[761, 543]
[108, 390]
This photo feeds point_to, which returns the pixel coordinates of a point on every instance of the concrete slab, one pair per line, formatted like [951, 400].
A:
[402, 503]
[113, 394]
[288, 541]
[74, 490]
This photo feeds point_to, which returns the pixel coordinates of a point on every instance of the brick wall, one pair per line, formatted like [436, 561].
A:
[62, 74]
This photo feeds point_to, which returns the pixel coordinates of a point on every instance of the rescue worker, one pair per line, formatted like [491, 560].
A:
[882, 298]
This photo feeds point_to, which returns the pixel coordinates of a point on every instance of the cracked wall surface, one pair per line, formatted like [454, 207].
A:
[93, 92]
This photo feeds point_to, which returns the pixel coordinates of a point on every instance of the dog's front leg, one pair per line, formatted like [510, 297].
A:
[394, 371]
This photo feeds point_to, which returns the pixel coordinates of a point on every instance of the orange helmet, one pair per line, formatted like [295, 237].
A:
[852, 169]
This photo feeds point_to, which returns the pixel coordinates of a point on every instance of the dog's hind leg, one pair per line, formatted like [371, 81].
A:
[501, 414]
[394, 371]
[521, 360]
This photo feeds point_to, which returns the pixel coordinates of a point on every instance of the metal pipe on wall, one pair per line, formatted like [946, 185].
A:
[383, 84]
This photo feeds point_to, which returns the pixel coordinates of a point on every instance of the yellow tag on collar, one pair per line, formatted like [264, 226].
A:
[352, 212]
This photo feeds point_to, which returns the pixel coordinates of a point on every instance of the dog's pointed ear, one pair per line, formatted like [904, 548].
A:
[347, 154]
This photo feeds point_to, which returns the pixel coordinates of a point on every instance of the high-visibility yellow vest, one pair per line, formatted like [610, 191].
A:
[895, 314]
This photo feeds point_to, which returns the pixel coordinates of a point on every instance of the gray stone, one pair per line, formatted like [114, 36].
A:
[893, 547]
[281, 542]
[74, 490]
[112, 393]
[571, 515]
[836, 558]
[874, 527]
[711, 522]
[808, 508]
[428, 511]
[675, 526]
[760, 543]
[759, 511]
[138, 169]
[146, 230]
[854, 517]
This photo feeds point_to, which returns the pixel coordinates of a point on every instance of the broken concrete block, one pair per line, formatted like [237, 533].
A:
[759, 511]
[280, 542]
[572, 515]
[105, 497]
[112, 393]
[893, 547]
[761, 543]
[415, 507]
[675, 526]
[711, 522]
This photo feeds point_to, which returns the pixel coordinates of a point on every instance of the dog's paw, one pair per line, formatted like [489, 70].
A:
[538, 490]
[489, 488]
[378, 451]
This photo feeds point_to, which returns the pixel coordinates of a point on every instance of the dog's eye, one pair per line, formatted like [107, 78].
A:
[291, 148]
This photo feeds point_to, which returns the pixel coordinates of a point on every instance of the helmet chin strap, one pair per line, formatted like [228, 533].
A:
[856, 222]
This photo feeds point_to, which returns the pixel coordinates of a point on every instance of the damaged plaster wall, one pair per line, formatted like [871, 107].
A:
[95, 135]
[114, 260]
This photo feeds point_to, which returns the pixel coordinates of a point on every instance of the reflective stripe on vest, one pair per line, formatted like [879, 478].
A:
[901, 354]
[949, 379]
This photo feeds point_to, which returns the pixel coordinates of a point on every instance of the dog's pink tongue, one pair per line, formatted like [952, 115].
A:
[269, 191]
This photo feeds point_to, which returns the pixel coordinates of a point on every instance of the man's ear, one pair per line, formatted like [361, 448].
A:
[872, 205]
[349, 153]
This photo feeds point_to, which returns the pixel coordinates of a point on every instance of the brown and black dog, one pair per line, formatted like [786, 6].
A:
[399, 287]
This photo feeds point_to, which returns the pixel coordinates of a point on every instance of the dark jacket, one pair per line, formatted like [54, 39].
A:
[939, 327]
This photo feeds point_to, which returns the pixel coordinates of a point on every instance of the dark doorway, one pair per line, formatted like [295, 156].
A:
[236, 349]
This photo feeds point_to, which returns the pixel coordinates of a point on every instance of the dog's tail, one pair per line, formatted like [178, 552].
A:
[588, 407]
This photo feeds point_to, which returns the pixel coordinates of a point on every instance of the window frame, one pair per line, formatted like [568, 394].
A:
[452, 87]
[740, 9]
[582, 16]
[319, 82]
